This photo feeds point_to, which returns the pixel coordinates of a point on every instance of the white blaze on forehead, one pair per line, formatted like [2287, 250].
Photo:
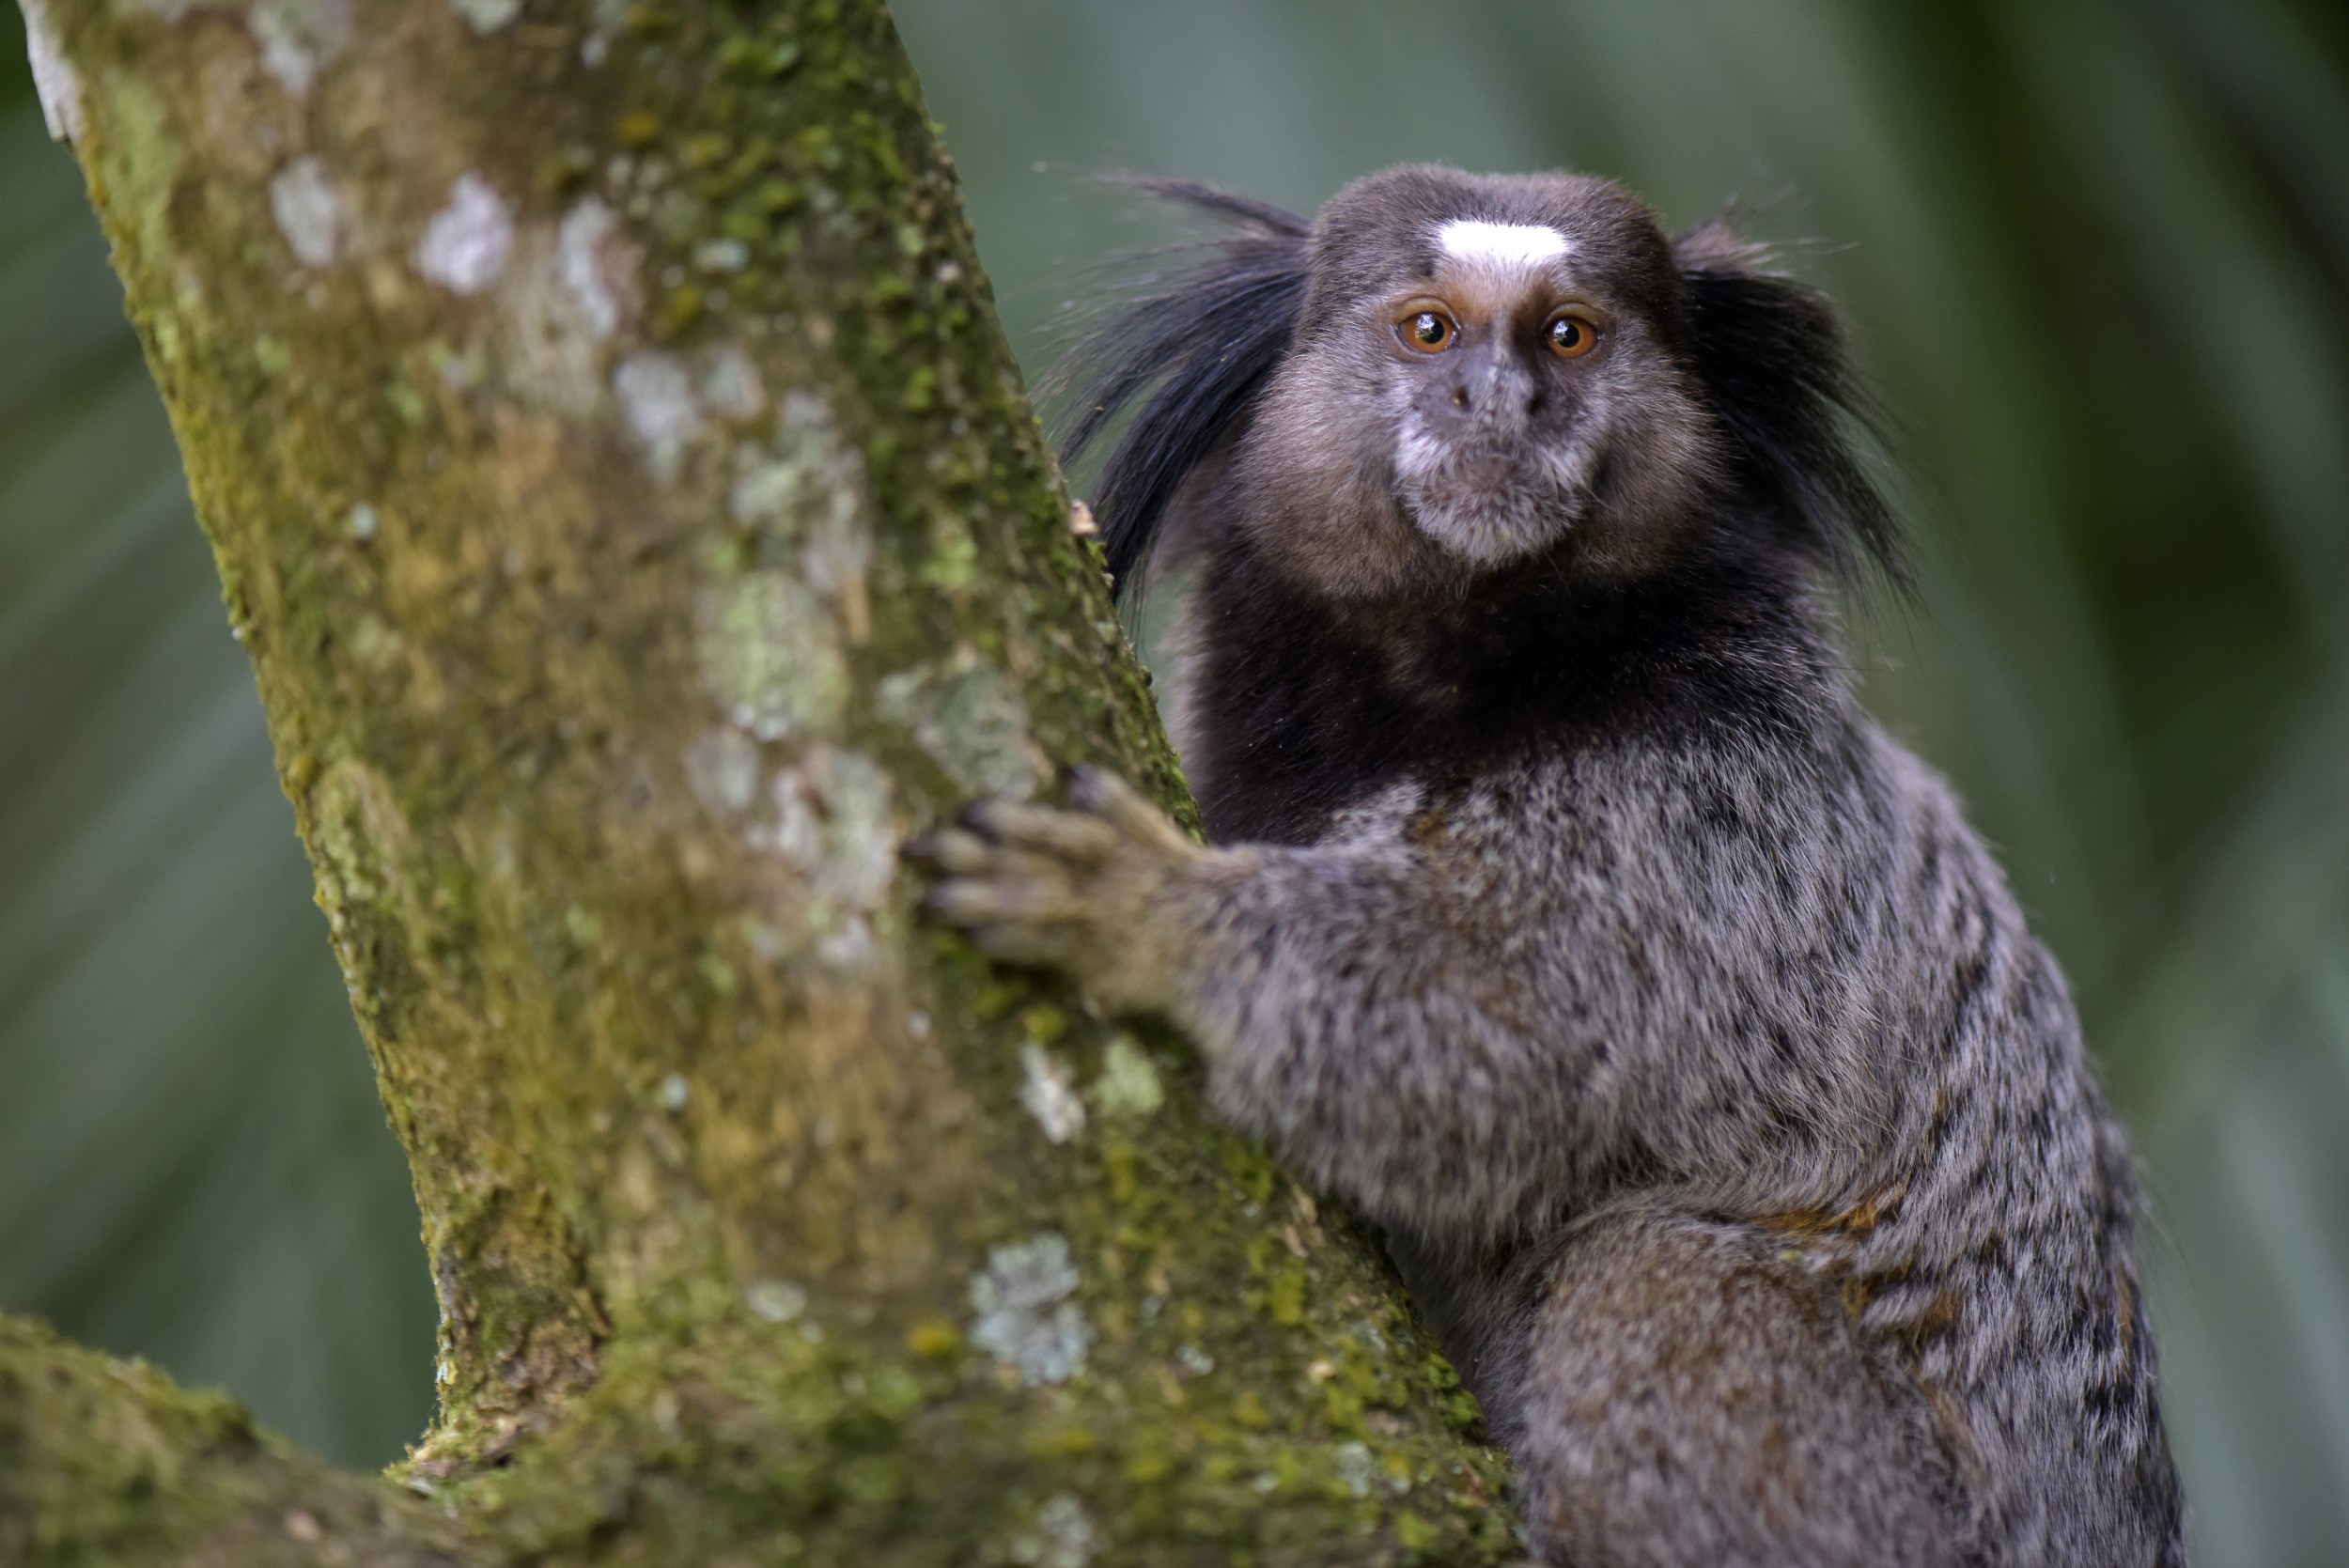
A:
[1517, 245]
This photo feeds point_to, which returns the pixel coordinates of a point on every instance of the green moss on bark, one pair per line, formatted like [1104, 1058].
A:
[103, 1462]
[640, 529]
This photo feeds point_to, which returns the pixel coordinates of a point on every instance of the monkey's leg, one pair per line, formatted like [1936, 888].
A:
[1692, 1397]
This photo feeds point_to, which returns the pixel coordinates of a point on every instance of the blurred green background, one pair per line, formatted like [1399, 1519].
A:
[2098, 258]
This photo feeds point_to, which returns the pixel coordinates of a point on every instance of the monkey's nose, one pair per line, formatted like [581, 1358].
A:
[1496, 393]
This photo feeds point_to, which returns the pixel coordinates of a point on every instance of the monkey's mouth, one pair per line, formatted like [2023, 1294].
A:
[1483, 469]
[1491, 505]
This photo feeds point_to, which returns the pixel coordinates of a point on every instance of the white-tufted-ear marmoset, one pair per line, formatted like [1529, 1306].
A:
[1565, 914]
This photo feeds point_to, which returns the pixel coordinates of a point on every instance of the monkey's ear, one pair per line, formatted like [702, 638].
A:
[1771, 353]
[1201, 340]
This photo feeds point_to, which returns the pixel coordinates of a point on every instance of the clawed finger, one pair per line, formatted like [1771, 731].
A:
[1044, 944]
[951, 850]
[1043, 830]
[1118, 803]
[973, 901]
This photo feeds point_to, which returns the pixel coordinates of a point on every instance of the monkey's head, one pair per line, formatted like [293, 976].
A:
[1446, 374]
[1487, 366]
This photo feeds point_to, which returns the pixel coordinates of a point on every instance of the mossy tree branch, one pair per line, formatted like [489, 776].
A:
[638, 530]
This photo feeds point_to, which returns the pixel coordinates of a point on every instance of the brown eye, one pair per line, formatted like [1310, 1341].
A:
[1430, 331]
[1570, 336]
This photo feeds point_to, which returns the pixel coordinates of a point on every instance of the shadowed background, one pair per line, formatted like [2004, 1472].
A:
[2098, 258]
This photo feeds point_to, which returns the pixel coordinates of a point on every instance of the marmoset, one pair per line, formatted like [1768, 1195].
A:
[1564, 913]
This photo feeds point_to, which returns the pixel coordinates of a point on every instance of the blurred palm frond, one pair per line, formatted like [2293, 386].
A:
[193, 1162]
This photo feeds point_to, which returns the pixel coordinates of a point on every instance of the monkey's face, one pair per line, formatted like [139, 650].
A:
[1501, 366]
[1502, 358]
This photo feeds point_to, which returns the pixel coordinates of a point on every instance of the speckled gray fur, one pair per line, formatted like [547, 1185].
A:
[1724, 1118]
[1636, 1025]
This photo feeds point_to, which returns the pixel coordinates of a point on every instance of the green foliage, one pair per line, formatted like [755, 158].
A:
[192, 1164]
[2099, 260]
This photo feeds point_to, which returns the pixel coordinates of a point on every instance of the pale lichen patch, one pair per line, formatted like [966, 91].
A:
[466, 243]
[486, 16]
[1046, 1093]
[1128, 1085]
[1025, 1314]
[776, 1300]
[805, 494]
[58, 85]
[298, 38]
[658, 401]
[1356, 1466]
[597, 265]
[968, 719]
[731, 385]
[1062, 1536]
[832, 822]
[770, 656]
[724, 254]
[283, 54]
[605, 18]
[832, 826]
[721, 765]
[566, 296]
[309, 211]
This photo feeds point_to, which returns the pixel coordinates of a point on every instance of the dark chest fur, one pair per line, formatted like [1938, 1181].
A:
[1305, 707]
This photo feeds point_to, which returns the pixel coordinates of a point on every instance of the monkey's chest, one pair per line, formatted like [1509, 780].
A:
[1286, 749]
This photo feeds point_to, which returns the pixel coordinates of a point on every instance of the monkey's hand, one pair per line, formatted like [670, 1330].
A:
[1098, 890]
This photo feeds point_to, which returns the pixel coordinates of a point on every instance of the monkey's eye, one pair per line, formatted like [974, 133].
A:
[1430, 331]
[1571, 335]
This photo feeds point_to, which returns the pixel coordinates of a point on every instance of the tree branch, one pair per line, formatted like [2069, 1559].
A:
[638, 530]
[103, 1461]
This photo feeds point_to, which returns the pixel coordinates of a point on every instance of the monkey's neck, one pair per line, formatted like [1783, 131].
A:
[1304, 706]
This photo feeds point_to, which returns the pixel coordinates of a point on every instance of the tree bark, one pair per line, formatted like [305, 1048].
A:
[639, 529]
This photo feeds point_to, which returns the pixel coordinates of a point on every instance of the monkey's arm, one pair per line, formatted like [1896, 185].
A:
[1442, 1033]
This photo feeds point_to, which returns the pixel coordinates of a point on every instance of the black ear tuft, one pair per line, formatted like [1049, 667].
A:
[1243, 214]
[1771, 354]
[1201, 341]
